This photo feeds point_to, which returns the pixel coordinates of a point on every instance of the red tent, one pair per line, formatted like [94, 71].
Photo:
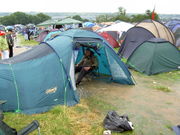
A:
[110, 39]
[2, 33]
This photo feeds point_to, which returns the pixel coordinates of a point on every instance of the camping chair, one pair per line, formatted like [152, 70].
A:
[7, 130]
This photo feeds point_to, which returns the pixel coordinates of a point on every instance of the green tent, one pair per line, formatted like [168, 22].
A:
[155, 56]
[68, 21]
[46, 23]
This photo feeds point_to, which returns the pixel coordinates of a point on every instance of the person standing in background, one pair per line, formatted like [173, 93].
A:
[10, 42]
[4, 52]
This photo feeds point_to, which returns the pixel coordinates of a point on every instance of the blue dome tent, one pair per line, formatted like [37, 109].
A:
[44, 76]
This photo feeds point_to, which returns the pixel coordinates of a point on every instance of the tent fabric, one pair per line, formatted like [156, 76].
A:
[158, 29]
[177, 26]
[177, 37]
[110, 39]
[96, 27]
[155, 56]
[34, 85]
[176, 129]
[42, 35]
[68, 21]
[114, 34]
[88, 24]
[177, 34]
[120, 27]
[178, 42]
[133, 38]
[103, 59]
[52, 35]
[172, 23]
[46, 23]
[36, 80]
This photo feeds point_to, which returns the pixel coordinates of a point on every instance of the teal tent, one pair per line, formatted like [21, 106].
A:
[44, 76]
[155, 56]
[52, 34]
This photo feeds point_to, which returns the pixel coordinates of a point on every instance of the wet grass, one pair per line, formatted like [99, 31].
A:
[23, 42]
[162, 88]
[83, 119]
[168, 76]
[87, 118]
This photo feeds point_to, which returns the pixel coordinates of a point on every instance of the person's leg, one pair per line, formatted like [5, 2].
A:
[10, 51]
[81, 75]
[77, 69]
[5, 54]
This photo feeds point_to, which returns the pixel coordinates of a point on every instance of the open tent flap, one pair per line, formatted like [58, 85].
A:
[107, 65]
[103, 67]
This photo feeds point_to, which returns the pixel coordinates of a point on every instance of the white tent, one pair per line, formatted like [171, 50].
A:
[119, 27]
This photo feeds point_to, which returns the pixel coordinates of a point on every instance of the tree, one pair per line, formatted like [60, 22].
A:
[122, 11]
[103, 18]
[23, 18]
[42, 17]
[78, 17]
[148, 12]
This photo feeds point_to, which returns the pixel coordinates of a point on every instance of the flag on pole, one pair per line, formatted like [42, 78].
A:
[153, 14]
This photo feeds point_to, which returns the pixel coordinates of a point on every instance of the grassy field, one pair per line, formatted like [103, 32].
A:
[22, 42]
[86, 118]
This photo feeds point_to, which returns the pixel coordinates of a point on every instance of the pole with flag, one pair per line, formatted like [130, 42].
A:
[153, 14]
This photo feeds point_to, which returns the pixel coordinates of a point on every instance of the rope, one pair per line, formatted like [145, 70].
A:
[17, 90]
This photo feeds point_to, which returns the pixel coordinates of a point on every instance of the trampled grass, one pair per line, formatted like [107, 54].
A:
[162, 88]
[83, 119]
[23, 42]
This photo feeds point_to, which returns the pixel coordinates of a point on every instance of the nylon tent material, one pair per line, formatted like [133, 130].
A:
[109, 62]
[52, 34]
[68, 21]
[177, 37]
[110, 39]
[120, 27]
[158, 29]
[155, 56]
[35, 81]
[133, 38]
[172, 23]
[42, 35]
[177, 26]
[44, 76]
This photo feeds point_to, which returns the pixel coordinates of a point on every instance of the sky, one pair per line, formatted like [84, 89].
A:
[131, 6]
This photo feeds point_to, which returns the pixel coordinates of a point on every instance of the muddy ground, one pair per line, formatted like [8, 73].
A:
[152, 111]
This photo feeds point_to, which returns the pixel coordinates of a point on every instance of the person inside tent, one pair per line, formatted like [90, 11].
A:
[88, 63]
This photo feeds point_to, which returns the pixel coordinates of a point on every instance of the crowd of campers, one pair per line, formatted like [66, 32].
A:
[69, 46]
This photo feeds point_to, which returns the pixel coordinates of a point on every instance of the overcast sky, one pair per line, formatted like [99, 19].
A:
[131, 6]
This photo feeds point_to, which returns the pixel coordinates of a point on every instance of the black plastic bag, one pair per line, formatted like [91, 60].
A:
[117, 123]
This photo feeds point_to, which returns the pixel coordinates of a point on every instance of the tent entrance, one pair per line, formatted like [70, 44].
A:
[103, 71]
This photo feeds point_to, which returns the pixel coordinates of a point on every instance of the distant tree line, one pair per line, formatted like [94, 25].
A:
[23, 18]
[78, 17]
[122, 15]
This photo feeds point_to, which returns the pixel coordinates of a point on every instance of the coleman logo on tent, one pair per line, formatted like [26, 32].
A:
[53, 90]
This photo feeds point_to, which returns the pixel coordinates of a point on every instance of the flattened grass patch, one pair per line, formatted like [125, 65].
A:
[162, 88]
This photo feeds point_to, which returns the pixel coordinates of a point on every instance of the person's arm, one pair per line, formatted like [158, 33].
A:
[95, 61]
[81, 62]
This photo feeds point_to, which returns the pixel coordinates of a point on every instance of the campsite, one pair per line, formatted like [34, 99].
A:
[117, 73]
